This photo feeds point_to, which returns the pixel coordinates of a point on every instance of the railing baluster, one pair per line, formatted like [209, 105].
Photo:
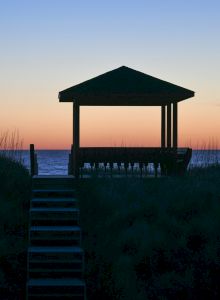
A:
[141, 168]
[96, 167]
[162, 168]
[119, 166]
[126, 168]
[105, 165]
[132, 168]
[146, 170]
[81, 166]
[111, 167]
[156, 169]
[91, 166]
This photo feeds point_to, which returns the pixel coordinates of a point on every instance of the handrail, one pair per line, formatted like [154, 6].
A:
[33, 161]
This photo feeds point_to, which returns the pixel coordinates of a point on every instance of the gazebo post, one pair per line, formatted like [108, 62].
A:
[175, 125]
[169, 125]
[76, 113]
[163, 126]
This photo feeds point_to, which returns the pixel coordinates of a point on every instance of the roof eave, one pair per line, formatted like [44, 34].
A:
[124, 99]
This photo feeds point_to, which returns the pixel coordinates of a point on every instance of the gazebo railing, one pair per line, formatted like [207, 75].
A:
[131, 160]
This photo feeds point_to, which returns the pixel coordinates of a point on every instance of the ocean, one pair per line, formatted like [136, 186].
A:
[55, 162]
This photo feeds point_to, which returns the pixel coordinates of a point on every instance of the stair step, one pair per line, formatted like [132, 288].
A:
[72, 282]
[55, 221]
[56, 297]
[54, 202]
[55, 249]
[53, 192]
[53, 288]
[55, 261]
[76, 263]
[55, 273]
[55, 228]
[54, 216]
[70, 241]
[54, 212]
[55, 181]
[55, 235]
[54, 177]
[54, 209]
[52, 186]
[58, 253]
[53, 270]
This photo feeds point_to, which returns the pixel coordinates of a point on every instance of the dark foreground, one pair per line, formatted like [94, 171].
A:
[152, 238]
[14, 203]
[143, 238]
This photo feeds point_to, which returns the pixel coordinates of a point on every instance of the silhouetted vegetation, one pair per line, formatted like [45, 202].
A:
[152, 238]
[143, 238]
[11, 145]
[14, 202]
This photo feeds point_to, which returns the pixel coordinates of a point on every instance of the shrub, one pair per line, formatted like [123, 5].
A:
[14, 204]
[152, 238]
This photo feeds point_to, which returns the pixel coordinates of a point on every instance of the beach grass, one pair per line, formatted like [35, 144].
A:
[15, 192]
[152, 238]
[144, 238]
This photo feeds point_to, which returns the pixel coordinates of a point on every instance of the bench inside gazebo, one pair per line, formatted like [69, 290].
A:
[127, 87]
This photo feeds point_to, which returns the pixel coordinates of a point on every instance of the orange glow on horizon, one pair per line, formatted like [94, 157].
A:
[124, 126]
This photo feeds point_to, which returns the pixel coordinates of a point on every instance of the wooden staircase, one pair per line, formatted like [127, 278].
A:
[55, 257]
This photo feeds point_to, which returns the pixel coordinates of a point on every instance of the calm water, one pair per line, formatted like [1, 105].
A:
[55, 162]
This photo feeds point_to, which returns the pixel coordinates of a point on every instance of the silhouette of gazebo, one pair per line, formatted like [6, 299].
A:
[126, 87]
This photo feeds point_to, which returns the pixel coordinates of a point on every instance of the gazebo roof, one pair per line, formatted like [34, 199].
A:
[125, 86]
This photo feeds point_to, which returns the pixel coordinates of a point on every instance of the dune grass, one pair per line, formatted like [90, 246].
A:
[14, 203]
[152, 238]
[143, 238]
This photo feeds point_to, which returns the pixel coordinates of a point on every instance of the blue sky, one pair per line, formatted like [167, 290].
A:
[47, 46]
[68, 35]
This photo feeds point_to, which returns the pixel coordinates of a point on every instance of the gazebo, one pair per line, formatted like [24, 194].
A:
[127, 87]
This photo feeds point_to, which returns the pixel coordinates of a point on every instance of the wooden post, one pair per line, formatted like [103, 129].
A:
[76, 139]
[70, 162]
[163, 126]
[175, 125]
[168, 125]
[32, 160]
[35, 164]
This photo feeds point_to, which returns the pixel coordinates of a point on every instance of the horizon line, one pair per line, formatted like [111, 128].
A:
[63, 149]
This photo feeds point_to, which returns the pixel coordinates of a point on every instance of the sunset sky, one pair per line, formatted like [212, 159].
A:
[49, 45]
